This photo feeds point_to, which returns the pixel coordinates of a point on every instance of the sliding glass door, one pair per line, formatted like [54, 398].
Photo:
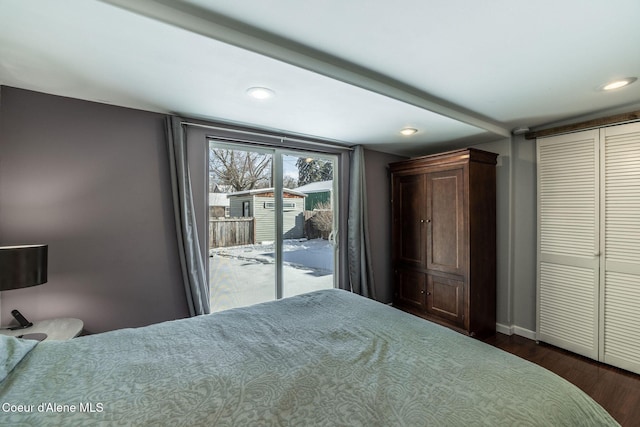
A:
[271, 223]
[308, 261]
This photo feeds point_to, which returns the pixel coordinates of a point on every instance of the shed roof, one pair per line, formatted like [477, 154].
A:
[218, 199]
[316, 187]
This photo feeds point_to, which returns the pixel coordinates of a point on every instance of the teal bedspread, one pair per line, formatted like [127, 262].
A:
[327, 358]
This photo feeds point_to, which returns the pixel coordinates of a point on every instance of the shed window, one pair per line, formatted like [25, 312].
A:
[287, 206]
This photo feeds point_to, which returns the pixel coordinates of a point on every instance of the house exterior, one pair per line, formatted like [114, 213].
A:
[318, 193]
[218, 205]
[260, 204]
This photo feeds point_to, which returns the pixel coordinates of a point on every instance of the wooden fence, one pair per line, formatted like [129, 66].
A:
[226, 232]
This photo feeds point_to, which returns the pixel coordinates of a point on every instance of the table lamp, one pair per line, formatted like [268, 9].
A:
[22, 267]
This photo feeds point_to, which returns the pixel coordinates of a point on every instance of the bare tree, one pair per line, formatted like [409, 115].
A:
[242, 170]
[322, 219]
[289, 182]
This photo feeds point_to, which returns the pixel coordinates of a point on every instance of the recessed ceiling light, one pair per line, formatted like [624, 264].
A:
[617, 84]
[260, 92]
[408, 131]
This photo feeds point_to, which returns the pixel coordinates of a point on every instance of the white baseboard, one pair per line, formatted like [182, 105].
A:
[515, 330]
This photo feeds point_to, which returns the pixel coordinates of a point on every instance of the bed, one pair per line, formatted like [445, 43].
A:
[325, 358]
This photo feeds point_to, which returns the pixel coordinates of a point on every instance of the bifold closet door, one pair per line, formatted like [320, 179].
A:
[620, 295]
[568, 241]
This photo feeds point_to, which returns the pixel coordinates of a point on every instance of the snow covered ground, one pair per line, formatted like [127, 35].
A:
[315, 254]
[244, 275]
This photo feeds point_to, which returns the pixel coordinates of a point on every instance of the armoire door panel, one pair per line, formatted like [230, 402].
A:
[445, 298]
[408, 219]
[445, 221]
[410, 288]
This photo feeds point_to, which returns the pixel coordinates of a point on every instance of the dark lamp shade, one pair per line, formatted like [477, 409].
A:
[22, 266]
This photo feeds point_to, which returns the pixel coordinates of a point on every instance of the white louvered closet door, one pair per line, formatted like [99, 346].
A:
[568, 242]
[620, 234]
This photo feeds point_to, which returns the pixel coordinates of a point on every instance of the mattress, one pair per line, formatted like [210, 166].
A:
[327, 358]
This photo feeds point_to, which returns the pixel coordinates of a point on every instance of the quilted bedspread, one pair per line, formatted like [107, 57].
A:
[328, 358]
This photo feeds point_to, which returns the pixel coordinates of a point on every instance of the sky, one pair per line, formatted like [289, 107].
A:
[289, 167]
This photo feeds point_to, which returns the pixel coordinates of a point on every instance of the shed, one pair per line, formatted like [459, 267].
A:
[317, 193]
[260, 204]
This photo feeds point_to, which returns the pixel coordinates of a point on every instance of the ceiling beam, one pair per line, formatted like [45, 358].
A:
[218, 27]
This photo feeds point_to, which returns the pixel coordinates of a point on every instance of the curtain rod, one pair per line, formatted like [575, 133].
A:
[615, 120]
[269, 135]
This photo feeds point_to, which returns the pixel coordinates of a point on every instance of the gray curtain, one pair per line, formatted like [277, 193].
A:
[193, 272]
[358, 248]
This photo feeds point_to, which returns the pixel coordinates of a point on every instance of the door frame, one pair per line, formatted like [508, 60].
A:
[278, 153]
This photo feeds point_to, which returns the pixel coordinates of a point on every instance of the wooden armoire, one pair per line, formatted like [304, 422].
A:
[444, 239]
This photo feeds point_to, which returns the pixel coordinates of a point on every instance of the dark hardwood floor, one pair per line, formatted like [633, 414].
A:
[616, 390]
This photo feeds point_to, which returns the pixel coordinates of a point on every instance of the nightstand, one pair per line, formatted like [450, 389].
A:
[53, 330]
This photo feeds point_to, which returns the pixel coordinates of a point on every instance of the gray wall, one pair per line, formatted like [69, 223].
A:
[516, 233]
[524, 234]
[92, 181]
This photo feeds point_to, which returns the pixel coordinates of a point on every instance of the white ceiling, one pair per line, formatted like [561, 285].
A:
[351, 71]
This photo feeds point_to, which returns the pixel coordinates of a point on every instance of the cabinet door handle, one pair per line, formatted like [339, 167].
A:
[428, 293]
[422, 220]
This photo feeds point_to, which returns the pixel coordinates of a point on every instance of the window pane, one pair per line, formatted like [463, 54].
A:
[244, 216]
[241, 249]
[308, 254]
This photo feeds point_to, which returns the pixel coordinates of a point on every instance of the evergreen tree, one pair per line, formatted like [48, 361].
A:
[313, 170]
